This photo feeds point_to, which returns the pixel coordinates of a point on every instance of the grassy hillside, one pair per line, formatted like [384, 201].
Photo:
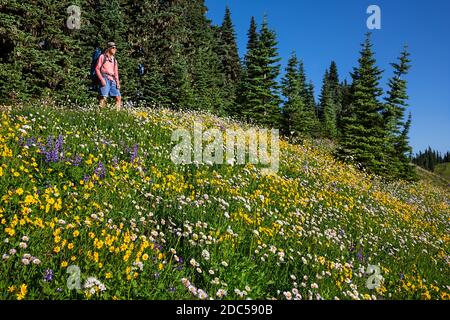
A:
[443, 170]
[433, 178]
[97, 190]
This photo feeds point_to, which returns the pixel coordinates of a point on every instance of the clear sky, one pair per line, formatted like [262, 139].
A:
[324, 30]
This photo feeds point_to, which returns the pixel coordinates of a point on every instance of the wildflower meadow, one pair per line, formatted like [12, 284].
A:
[92, 207]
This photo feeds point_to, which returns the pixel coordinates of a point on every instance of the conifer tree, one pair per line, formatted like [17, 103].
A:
[393, 114]
[244, 94]
[311, 109]
[291, 91]
[260, 95]
[229, 56]
[328, 108]
[334, 84]
[41, 52]
[304, 86]
[364, 134]
[403, 149]
[325, 96]
[200, 48]
[294, 106]
[336, 92]
[253, 40]
[242, 98]
[144, 46]
[346, 102]
[230, 64]
[397, 96]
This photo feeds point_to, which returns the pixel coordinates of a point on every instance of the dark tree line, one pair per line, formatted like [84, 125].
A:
[171, 55]
[429, 158]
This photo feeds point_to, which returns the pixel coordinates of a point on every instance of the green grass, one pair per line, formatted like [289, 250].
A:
[443, 170]
[432, 178]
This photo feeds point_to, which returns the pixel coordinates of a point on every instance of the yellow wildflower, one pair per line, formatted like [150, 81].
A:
[23, 292]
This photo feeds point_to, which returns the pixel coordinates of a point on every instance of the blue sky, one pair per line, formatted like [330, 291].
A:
[324, 30]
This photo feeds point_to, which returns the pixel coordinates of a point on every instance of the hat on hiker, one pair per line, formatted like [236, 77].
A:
[111, 45]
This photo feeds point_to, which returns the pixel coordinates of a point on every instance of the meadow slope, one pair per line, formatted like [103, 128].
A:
[97, 191]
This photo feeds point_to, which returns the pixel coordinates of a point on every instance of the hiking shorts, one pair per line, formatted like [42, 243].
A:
[110, 89]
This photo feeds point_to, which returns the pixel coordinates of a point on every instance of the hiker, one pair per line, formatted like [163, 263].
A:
[108, 74]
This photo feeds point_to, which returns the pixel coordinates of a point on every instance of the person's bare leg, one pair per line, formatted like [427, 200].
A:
[118, 103]
[102, 102]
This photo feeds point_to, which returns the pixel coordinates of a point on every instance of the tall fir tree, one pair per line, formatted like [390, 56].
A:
[230, 62]
[229, 55]
[304, 86]
[260, 95]
[364, 134]
[311, 109]
[297, 119]
[242, 99]
[291, 92]
[346, 102]
[253, 40]
[396, 95]
[311, 122]
[147, 50]
[406, 170]
[394, 113]
[327, 106]
[336, 91]
[201, 50]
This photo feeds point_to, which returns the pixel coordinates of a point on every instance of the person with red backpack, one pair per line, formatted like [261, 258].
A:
[107, 72]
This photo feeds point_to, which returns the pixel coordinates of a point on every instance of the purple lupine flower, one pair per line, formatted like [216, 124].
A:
[48, 275]
[29, 142]
[76, 161]
[47, 150]
[59, 147]
[134, 154]
[115, 161]
[100, 171]
[52, 150]
[86, 178]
